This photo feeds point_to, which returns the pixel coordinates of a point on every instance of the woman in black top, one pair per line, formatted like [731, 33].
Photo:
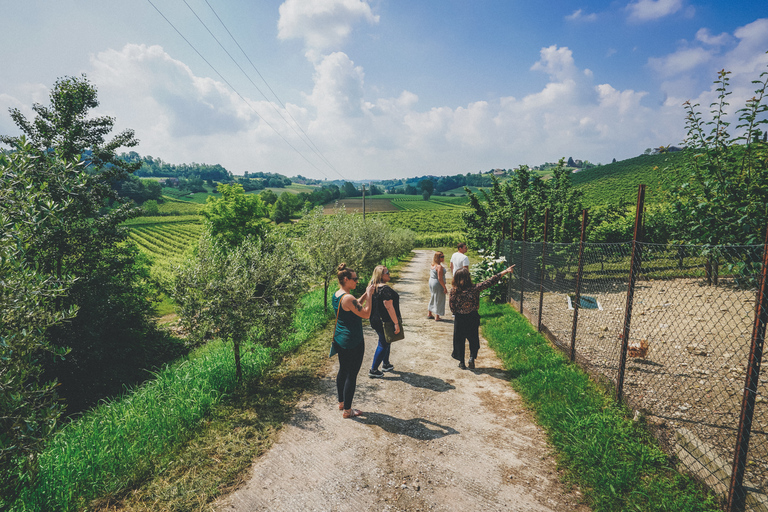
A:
[385, 307]
[464, 303]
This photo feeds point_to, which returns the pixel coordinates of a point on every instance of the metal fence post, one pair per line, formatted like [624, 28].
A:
[511, 242]
[577, 298]
[736, 494]
[634, 269]
[522, 260]
[543, 266]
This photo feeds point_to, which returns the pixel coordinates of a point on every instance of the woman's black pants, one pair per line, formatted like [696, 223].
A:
[350, 361]
[465, 327]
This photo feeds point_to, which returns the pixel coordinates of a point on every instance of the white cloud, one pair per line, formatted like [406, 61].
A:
[703, 35]
[689, 72]
[322, 24]
[680, 62]
[556, 62]
[647, 10]
[580, 15]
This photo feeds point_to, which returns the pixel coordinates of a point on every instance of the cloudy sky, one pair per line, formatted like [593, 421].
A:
[376, 89]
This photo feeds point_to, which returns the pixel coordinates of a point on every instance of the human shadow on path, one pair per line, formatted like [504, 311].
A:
[420, 381]
[417, 428]
[493, 372]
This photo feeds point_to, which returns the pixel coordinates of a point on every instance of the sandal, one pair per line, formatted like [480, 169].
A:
[351, 413]
[341, 406]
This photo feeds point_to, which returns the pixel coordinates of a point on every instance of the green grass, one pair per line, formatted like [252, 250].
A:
[616, 462]
[137, 439]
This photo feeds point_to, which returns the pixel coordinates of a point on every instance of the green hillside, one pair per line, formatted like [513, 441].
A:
[614, 182]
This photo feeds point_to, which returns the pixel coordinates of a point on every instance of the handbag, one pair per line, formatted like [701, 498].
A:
[389, 332]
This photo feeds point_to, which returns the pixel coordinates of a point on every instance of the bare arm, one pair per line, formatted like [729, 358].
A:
[350, 303]
[441, 277]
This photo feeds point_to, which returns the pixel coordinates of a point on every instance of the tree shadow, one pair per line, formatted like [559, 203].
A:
[417, 428]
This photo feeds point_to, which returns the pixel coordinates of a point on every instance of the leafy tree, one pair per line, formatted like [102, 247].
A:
[492, 212]
[724, 199]
[241, 292]
[29, 408]
[75, 163]
[235, 215]
[285, 206]
[268, 196]
[349, 190]
[427, 187]
[347, 238]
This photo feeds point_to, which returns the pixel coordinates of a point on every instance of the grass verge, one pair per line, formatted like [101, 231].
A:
[615, 461]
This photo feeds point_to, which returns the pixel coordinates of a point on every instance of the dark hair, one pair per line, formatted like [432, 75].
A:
[344, 273]
[462, 244]
[462, 279]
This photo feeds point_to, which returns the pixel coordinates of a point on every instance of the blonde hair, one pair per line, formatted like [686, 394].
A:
[437, 257]
[377, 277]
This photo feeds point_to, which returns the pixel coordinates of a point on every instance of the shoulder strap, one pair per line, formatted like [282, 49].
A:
[337, 314]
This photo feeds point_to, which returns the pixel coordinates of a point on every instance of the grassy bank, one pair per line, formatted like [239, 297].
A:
[137, 438]
[614, 460]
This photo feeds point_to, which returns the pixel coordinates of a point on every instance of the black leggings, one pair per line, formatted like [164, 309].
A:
[465, 327]
[350, 361]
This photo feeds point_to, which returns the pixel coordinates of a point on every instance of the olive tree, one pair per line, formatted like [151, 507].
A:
[247, 291]
[349, 238]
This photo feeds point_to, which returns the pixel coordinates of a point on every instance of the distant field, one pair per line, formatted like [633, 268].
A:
[165, 239]
[410, 203]
[371, 205]
[172, 206]
[293, 188]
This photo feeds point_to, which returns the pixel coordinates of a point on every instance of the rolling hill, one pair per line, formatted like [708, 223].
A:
[618, 181]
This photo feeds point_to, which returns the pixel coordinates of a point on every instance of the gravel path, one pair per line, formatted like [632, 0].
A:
[432, 436]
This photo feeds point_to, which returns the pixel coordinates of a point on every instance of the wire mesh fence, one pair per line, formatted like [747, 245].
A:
[689, 324]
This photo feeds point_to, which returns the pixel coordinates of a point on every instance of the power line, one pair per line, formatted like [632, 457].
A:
[235, 90]
[310, 143]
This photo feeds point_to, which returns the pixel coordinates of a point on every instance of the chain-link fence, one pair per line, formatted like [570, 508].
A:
[689, 318]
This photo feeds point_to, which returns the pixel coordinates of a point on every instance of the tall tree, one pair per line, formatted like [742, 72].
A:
[724, 197]
[235, 215]
[29, 408]
[110, 287]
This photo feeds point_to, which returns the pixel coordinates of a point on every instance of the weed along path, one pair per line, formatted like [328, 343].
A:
[432, 437]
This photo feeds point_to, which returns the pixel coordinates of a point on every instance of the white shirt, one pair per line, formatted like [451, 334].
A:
[458, 261]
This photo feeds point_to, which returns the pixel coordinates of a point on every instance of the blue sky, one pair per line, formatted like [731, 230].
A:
[381, 89]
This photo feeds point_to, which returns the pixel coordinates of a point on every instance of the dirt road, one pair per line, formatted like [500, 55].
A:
[432, 436]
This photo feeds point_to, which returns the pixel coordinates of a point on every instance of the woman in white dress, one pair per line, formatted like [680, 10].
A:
[437, 288]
